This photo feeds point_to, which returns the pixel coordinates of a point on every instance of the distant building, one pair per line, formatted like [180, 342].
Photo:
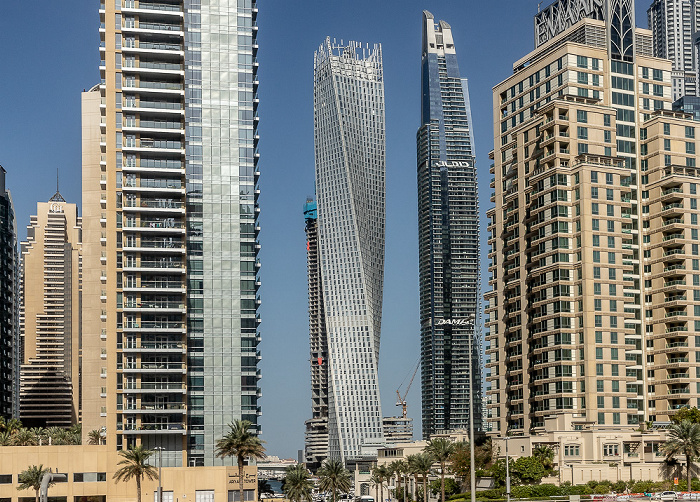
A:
[673, 24]
[350, 144]
[316, 439]
[9, 305]
[398, 430]
[50, 327]
[448, 240]
[688, 104]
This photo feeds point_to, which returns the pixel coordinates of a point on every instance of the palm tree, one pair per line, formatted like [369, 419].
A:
[25, 437]
[31, 478]
[94, 437]
[545, 455]
[683, 439]
[381, 473]
[411, 468]
[398, 467]
[135, 465]
[441, 450]
[334, 476]
[296, 484]
[421, 465]
[240, 443]
[5, 438]
[264, 487]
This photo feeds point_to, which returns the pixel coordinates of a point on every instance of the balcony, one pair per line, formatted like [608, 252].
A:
[155, 326]
[147, 204]
[146, 367]
[146, 26]
[157, 388]
[145, 266]
[154, 428]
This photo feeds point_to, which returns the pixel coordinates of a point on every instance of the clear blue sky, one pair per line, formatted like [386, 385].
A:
[49, 54]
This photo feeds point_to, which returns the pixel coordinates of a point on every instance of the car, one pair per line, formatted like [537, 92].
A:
[667, 496]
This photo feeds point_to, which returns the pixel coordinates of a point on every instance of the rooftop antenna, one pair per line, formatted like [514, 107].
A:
[57, 196]
[538, 7]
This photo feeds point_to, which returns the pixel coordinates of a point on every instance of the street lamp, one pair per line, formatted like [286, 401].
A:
[506, 438]
[160, 464]
[472, 469]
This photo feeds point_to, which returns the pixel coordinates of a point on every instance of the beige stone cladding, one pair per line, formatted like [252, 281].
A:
[90, 471]
[567, 332]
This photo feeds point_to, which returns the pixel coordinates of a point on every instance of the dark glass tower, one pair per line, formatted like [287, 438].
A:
[9, 306]
[448, 219]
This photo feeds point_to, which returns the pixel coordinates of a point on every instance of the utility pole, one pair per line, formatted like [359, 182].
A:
[472, 469]
[507, 471]
[160, 465]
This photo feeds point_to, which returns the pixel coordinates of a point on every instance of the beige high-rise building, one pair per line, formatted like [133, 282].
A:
[170, 203]
[50, 322]
[593, 243]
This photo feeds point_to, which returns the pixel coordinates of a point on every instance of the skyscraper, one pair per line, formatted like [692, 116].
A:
[673, 24]
[9, 306]
[173, 183]
[592, 240]
[349, 139]
[50, 327]
[316, 439]
[448, 235]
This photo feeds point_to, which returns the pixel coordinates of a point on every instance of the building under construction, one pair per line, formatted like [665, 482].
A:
[316, 440]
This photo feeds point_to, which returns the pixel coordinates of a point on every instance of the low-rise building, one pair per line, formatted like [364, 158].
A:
[586, 451]
[90, 471]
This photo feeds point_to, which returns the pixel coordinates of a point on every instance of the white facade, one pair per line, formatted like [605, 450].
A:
[349, 134]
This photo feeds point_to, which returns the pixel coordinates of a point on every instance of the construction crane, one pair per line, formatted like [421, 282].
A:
[402, 400]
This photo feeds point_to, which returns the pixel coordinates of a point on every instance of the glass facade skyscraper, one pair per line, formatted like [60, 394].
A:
[448, 216]
[175, 354]
[349, 138]
[9, 306]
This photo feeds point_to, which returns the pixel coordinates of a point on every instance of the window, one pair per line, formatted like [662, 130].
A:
[667, 144]
[594, 176]
[582, 148]
[582, 61]
[612, 291]
[611, 257]
[611, 274]
[582, 132]
[598, 321]
[616, 386]
[611, 450]
[601, 418]
[609, 178]
[582, 116]
[598, 337]
[599, 369]
[611, 226]
[6, 479]
[596, 272]
[594, 190]
[571, 450]
[609, 194]
[689, 132]
[600, 386]
[596, 256]
[594, 208]
[598, 306]
[690, 147]
[613, 354]
[667, 128]
[596, 240]
[614, 370]
[611, 241]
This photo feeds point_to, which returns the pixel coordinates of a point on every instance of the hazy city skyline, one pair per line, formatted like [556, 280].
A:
[40, 131]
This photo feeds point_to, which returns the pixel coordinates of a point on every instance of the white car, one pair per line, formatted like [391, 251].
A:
[667, 496]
